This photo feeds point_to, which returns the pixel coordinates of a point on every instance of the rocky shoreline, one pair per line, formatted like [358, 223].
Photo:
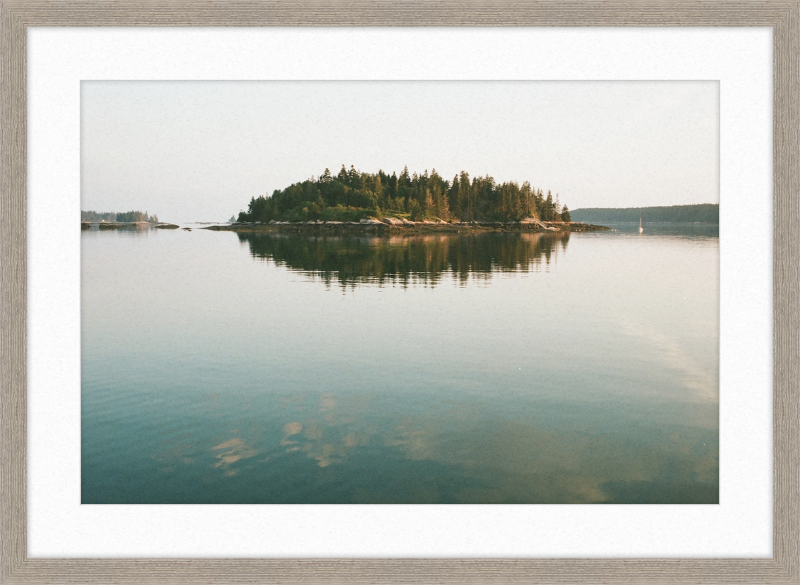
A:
[394, 224]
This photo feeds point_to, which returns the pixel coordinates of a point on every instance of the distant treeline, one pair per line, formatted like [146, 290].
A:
[352, 195]
[702, 213]
[127, 216]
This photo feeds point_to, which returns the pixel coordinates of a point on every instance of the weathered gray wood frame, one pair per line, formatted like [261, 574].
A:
[17, 16]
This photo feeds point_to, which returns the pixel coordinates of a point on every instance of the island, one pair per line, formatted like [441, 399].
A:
[355, 200]
[112, 220]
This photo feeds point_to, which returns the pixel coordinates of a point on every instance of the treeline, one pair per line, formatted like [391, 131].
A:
[701, 213]
[351, 195]
[127, 216]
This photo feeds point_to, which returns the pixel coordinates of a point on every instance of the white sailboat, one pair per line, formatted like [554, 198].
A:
[641, 229]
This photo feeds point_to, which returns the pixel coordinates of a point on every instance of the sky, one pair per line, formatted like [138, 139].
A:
[199, 150]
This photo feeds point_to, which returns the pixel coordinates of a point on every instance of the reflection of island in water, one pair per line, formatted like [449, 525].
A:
[405, 260]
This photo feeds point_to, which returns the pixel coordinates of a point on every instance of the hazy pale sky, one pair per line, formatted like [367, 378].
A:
[199, 150]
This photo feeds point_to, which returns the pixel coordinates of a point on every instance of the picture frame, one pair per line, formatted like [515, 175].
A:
[16, 567]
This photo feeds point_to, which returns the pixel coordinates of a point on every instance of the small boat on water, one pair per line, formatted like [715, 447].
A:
[641, 229]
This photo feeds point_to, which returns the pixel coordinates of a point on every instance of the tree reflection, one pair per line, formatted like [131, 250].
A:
[406, 259]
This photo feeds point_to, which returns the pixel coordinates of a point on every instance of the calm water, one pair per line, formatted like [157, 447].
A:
[511, 368]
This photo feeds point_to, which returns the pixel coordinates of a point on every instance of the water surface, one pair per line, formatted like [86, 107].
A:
[499, 368]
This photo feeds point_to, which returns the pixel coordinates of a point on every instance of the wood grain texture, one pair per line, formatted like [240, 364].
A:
[786, 302]
[13, 296]
[399, 13]
[16, 16]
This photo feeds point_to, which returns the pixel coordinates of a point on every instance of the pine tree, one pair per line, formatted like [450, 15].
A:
[455, 198]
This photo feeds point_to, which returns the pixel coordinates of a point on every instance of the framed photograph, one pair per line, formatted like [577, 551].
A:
[368, 293]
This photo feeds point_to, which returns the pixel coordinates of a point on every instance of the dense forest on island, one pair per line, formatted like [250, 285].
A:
[126, 216]
[701, 213]
[351, 195]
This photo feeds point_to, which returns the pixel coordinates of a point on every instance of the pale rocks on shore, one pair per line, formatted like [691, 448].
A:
[427, 225]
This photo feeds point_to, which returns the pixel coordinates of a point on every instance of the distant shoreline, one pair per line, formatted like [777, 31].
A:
[705, 213]
[118, 225]
[405, 226]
